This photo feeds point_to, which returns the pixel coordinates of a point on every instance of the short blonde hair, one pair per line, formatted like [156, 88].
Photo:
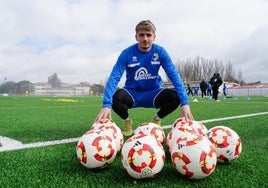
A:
[145, 25]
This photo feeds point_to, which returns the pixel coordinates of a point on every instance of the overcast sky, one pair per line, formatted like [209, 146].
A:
[80, 40]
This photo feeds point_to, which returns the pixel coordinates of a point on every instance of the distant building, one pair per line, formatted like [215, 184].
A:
[45, 89]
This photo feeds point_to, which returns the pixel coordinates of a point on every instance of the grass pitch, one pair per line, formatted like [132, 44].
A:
[39, 119]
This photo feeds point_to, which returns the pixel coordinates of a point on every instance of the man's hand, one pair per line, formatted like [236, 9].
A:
[105, 113]
[186, 113]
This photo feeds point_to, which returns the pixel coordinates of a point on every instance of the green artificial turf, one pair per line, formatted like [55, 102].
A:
[37, 119]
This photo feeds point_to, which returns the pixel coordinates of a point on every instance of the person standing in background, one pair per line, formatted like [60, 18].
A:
[215, 82]
[203, 88]
[189, 90]
[224, 89]
[196, 89]
[209, 88]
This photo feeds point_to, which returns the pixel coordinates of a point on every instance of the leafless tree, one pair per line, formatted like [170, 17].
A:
[240, 77]
[229, 75]
[201, 68]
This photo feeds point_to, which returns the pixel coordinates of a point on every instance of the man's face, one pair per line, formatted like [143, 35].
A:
[145, 39]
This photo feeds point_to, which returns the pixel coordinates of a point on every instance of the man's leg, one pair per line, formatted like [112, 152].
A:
[213, 94]
[122, 101]
[216, 94]
[168, 101]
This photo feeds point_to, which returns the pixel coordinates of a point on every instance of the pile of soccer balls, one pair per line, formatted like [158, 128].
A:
[194, 150]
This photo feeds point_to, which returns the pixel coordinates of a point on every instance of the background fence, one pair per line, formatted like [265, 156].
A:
[248, 91]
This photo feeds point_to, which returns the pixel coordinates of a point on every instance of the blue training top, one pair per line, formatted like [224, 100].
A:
[142, 72]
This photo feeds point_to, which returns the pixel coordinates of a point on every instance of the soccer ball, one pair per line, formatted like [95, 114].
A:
[179, 129]
[178, 122]
[199, 127]
[109, 125]
[151, 128]
[227, 143]
[142, 156]
[96, 149]
[194, 156]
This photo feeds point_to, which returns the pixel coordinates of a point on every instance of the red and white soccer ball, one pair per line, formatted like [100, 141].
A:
[179, 129]
[96, 149]
[176, 132]
[151, 128]
[142, 156]
[178, 122]
[194, 156]
[199, 127]
[227, 143]
[109, 125]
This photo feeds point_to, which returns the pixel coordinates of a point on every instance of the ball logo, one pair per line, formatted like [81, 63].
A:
[142, 74]
[218, 133]
[136, 152]
[98, 143]
[146, 172]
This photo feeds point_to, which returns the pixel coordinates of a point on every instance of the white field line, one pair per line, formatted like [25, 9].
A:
[9, 144]
[224, 118]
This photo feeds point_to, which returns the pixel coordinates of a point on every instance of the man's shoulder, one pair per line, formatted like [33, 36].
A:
[132, 47]
[130, 50]
[158, 47]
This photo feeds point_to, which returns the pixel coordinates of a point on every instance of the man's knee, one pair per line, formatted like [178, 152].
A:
[172, 95]
[121, 97]
[168, 96]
